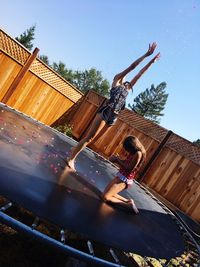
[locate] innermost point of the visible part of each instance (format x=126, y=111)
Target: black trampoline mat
x=33, y=174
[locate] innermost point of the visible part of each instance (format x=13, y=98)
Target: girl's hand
x=151, y=49
x=157, y=57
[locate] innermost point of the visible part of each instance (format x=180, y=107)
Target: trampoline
x=33, y=175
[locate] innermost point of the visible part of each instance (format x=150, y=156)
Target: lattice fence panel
x=56, y=81
x=147, y=127
x=175, y=142
x=184, y=147
x=13, y=48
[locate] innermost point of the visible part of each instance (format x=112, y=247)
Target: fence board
x=191, y=192
x=40, y=93
x=82, y=119
x=8, y=71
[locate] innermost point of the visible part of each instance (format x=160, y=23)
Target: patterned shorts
x=124, y=179
x=108, y=115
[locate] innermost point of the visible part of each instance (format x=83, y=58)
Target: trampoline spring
x=191, y=257
x=183, y=264
x=192, y=249
x=90, y=247
x=35, y=222
x=62, y=234
x=194, y=254
x=114, y=256
x=188, y=239
x=7, y=206
x=166, y=264
x=147, y=262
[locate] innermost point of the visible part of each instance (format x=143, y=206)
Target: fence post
x=154, y=156
x=20, y=75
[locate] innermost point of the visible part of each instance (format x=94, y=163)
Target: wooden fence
x=173, y=163
x=30, y=86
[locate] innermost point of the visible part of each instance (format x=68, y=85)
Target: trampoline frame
x=90, y=257
x=55, y=244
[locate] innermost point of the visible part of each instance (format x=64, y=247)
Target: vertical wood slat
x=20, y=75
x=156, y=153
x=86, y=113
x=8, y=71
x=31, y=86
x=33, y=96
x=92, y=118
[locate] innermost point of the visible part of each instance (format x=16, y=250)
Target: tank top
x=117, y=99
x=129, y=174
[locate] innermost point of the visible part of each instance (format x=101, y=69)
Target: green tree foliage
x=65, y=128
x=27, y=37
x=63, y=71
x=151, y=102
x=197, y=142
x=83, y=80
x=91, y=80
x=45, y=59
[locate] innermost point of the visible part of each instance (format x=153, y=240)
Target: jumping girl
x=107, y=115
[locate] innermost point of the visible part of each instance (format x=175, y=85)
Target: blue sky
x=109, y=34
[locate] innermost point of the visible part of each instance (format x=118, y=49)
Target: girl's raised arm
x=118, y=79
x=143, y=70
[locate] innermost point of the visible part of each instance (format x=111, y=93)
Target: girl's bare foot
x=133, y=206
x=70, y=164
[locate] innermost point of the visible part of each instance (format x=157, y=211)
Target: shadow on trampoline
x=76, y=206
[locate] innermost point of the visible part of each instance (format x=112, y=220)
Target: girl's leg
x=111, y=195
x=97, y=125
x=130, y=201
x=135, y=209
x=100, y=133
x=121, y=198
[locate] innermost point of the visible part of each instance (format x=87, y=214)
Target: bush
x=65, y=128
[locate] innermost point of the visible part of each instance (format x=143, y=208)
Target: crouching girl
x=128, y=169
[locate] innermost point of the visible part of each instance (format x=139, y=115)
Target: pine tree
x=91, y=79
x=27, y=37
x=197, y=142
x=45, y=59
x=151, y=102
x=84, y=80
x=63, y=71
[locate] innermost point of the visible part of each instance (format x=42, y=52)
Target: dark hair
x=129, y=144
x=126, y=82
x=132, y=144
